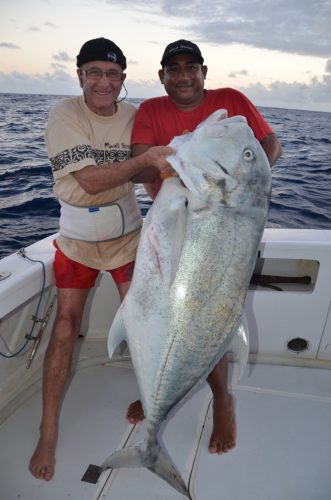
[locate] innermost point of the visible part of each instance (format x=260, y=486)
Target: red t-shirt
x=158, y=120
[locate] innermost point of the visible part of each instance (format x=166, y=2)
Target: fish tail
x=153, y=458
x=163, y=468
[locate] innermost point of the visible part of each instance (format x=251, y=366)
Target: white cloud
x=51, y=25
x=9, y=45
x=144, y=89
x=47, y=83
x=242, y=72
x=313, y=96
x=292, y=26
x=62, y=56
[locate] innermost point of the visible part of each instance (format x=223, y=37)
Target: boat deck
x=283, y=451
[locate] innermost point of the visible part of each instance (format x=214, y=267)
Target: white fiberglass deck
x=283, y=451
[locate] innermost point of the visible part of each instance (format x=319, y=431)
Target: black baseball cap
x=181, y=47
x=101, y=49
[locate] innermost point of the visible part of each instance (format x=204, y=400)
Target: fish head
x=221, y=161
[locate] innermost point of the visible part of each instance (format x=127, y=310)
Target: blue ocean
x=29, y=211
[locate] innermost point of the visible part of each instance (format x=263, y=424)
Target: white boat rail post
x=38, y=337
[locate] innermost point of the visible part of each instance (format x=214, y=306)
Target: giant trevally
x=195, y=258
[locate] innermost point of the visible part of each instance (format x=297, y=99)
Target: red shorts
x=71, y=274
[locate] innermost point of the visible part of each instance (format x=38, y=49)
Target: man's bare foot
x=223, y=437
x=135, y=412
x=42, y=462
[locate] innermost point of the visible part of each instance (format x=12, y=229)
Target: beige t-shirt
x=75, y=138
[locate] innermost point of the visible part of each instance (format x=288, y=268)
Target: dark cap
x=181, y=47
x=101, y=49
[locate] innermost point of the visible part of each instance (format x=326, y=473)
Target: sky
x=278, y=52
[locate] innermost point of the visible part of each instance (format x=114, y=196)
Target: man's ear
x=80, y=78
x=204, y=71
x=123, y=76
x=161, y=75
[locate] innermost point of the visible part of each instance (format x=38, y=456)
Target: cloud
x=62, y=56
x=313, y=96
x=46, y=83
x=51, y=25
x=242, y=72
x=144, y=89
x=328, y=66
x=34, y=28
x=297, y=26
x=292, y=26
x=139, y=6
x=9, y=45
x=58, y=67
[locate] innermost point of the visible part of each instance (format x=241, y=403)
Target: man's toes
x=212, y=447
x=48, y=473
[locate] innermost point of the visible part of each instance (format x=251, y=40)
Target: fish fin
x=167, y=228
x=163, y=468
x=153, y=459
x=117, y=333
x=240, y=345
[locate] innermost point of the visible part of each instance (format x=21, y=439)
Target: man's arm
x=272, y=148
x=97, y=179
x=149, y=174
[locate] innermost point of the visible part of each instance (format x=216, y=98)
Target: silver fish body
x=195, y=259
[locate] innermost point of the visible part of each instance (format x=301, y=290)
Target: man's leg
x=135, y=411
x=57, y=366
x=123, y=288
x=223, y=436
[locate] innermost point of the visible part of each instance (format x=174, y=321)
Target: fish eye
x=248, y=154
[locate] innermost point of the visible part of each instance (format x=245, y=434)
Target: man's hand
x=156, y=157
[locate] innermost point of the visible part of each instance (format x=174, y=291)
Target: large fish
x=195, y=259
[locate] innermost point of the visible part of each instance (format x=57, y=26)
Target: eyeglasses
x=176, y=70
x=97, y=74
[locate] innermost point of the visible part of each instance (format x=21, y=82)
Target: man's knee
x=66, y=329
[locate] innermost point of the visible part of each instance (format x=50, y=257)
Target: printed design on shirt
x=111, y=154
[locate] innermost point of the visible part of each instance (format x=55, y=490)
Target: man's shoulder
x=67, y=102
x=127, y=108
x=154, y=102
x=66, y=105
x=224, y=92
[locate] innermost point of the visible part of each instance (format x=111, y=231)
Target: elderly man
x=88, y=143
